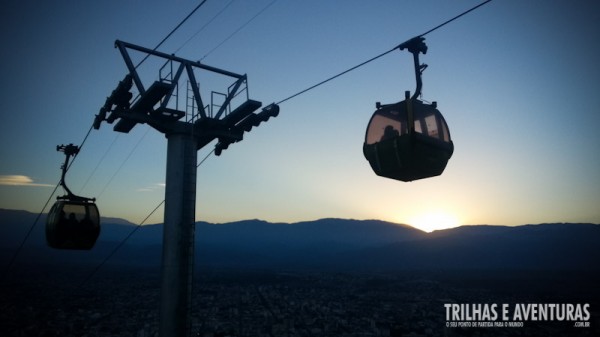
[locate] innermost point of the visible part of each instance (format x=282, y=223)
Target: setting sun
x=434, y=220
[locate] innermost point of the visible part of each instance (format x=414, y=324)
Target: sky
x=517, y=82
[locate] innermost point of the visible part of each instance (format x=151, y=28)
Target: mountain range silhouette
x=326, y=244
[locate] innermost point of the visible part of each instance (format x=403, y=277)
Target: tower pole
x=184, y=138
x=178, y=235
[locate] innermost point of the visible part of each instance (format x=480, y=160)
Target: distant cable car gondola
x=73, y=221
x=408, y=140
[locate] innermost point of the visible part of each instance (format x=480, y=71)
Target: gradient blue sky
x=517, y=82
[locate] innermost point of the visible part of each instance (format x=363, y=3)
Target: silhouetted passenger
x=72, y=223
x=87, y=223
x=73, y=218
x=389, y=132
x=89, y=231
x=62, y=227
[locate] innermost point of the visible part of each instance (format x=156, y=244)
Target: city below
x=125, y=302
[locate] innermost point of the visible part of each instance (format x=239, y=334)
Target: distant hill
x=332, y=244
x=560, y=246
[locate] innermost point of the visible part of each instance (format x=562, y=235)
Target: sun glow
x=435, y=220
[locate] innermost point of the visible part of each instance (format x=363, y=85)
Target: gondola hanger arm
x=69, y=151
x=415, y=46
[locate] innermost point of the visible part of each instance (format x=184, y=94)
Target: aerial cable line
x=239, y=29
x=371, y=59
x=172, y=31
x=336, y=76
x=205, y=25
x=380, y=55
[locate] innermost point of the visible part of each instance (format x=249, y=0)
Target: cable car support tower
x=186, y=133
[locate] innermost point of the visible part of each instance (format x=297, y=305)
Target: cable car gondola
x=408, y=140
x=73, y=221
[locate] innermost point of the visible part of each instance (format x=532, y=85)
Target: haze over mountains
x=328, y=244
